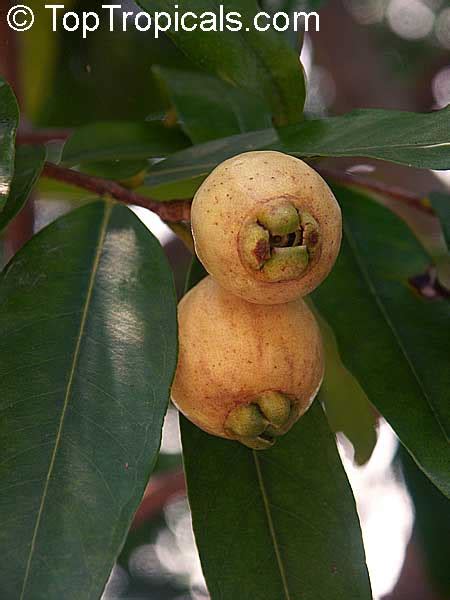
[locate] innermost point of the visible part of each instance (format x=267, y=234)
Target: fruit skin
x=232, y=195
x=232, y=351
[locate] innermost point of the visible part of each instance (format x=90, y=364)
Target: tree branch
x=379, y=187
x=175, y=211
x=160, y=491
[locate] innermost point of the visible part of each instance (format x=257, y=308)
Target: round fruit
x=245, y=371
x=267, y=227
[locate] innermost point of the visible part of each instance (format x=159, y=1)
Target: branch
x=159, y=491
x=413, y=200
x=175, y=211
x=42, y=136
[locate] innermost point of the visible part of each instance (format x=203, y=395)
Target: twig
x=42, y=136
x=160, y=490
x=378, y=187
x=175, y=211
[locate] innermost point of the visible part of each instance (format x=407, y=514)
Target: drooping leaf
x=122, y=141
x=87, y=355
x=279, y=523
x=274, y=524
x=210, y=108
x=346, y=404
x=393, y=341
x=9, y=120
x=29, y=161
x=421, y=140
x=261, y=62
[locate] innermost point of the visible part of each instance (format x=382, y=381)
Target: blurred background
x=369, y=53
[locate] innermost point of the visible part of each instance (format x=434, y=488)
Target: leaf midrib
x=95, y=265
x=271, y=526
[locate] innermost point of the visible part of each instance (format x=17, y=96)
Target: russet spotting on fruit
x=267, y=227
x=245, y=372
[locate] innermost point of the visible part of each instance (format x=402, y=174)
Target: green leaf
x=417, y=140
x=280, y=523
x=29, y=161
x=9, y=120
x=346, y=404
x=87, y=354
x=441, y=206
x=420, y=140
x=260, y=62
x=393, y=341
x=200, y=160
x=274, y=524
x=121, y=141
x=211, y=108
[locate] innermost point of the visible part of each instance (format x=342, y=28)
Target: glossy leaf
x=29, y=161
x=210, y=108
x=201, y=159
x=421, y=140
x=393, y=341
x=87, y=355
x=9, y=119
x=417, y=140
x=256, y=61
x=274, y=524
x=279, y=523
x=122, y=141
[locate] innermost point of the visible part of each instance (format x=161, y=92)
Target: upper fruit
x=267, y=227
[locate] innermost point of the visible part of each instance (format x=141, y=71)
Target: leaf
x=87, y=354
x=211, y=108
x=121, y=141
x=9, y=120
x=275, y=524
x=393, y=341
x=279, y=523
x=417, y=140
x=200, y=160
x=441, y=206
x=347, y=406
x=29, y=161
x=421, y=140
x=256, y=61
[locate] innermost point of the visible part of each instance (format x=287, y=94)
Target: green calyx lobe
x=281, y=242
x=257, y=424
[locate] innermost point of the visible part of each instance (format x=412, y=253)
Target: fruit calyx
x=280, y=241
x=258, y=423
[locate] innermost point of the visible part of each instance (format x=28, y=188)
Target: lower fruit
x=246, y=371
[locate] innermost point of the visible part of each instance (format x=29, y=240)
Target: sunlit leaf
x=9, y=119
x=29, y=161
x=87, y=355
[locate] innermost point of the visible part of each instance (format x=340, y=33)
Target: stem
x=378, y=187
x=159, y=491
x=43, y=136
x=173, y=212
x=179, y=210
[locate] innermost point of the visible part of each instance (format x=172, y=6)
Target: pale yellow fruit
x=267, y=227
x=245, y=371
